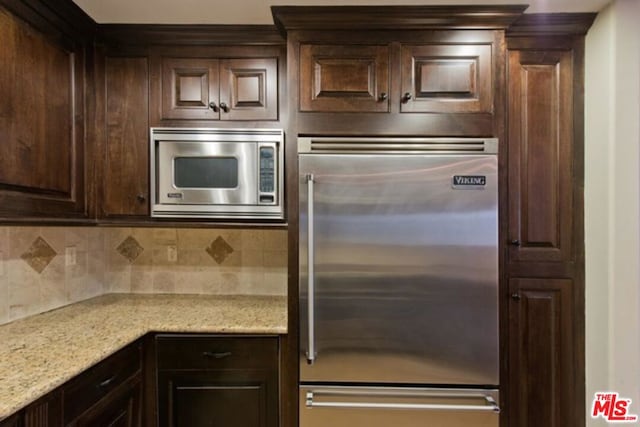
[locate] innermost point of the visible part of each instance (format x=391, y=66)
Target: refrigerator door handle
x=311, y=349
x=490, y=405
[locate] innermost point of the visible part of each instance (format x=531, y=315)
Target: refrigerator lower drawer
x=399, y=407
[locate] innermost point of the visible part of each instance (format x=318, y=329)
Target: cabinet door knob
x=515, y=242
x=406, y=97
x=224, y=107
x=213, y=106
x=515, y=296
x=383, y=96
x=141, y=198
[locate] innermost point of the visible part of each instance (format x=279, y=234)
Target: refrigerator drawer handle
x=491, y=406
x=311, y=349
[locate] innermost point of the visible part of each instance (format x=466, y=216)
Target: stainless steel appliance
x=217, y=173
x=398, y=282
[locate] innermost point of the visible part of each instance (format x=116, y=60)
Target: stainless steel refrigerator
x=398, y=282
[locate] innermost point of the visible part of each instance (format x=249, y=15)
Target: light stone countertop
x=39, y=353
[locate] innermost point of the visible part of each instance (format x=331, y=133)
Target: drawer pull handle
x=215, y=355
x=106, y=382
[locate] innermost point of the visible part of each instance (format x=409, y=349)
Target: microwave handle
x=311, y=349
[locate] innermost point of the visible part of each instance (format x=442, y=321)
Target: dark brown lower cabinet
x=13, y=421
x=217, y=398
x=121, y=408
x=541, y=353
x=211, y=381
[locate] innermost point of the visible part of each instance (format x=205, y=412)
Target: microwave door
x=208, y=173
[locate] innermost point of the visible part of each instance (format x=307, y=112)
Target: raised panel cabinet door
x=541, y=354
x=41, y=123
x=242, y=398
x=122, y=408
x=540, y=141
x=249, y=89
x=126, y=171
x=190, y=89
x=338, y=78
x=447, y=79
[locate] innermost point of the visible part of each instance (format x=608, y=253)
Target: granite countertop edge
x=42, y=352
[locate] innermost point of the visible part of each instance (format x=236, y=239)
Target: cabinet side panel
x=126, y=181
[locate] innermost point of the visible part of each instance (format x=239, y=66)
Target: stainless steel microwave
x=217, y=173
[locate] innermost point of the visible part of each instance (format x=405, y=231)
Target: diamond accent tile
x=219, y=250
x=130, y=248
x=39, y=255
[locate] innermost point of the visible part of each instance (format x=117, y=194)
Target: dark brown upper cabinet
x=541, y=151
x=392, y=70
x=42, y=87
x=157, y=76
x=447, y=79
x=220, y=89
x=344, y=78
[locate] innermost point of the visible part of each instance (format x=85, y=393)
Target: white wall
x=612, y=203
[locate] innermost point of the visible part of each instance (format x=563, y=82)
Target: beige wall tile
x=23, y=289
x=232, y=236
x=141, y=279
x=191, y=282
x=118, y=281
x=165, y=236
x=20, y=239
x=275, y=259
x=96, y=268
x=222, y=283
x=196, y=258
x=192, y=238
x=4, y=299
x=275, y=240
x=273, y=283
x=251, y=259
x=79, y=289
x=78, y=237
x=164, y=281
x=255, y=262
x=4, y=240
x=252, y=240
x=56, y=237
x=95, y=239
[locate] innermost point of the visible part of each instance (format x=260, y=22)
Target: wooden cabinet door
x=122, y=408
x=247, y=398
x=125, y=178
x=190, y=89
x=249, y=89
x=541, y=353
x=335, y=78
x=42, y=138
x=16, y=420
x=540, y=139
x=447, y=79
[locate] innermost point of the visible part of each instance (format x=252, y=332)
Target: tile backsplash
x=42, y=268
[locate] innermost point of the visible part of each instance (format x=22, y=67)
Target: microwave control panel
x=267, y=191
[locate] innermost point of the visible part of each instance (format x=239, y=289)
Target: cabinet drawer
x=95, y=383
x=216, y=352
